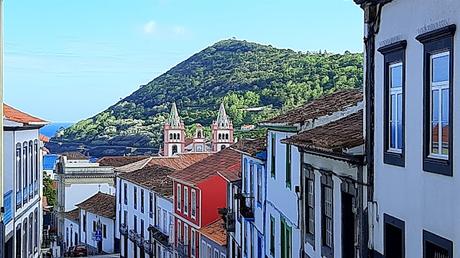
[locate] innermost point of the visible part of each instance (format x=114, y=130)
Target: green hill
x=243, y=74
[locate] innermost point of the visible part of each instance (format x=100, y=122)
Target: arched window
x=198, y=135
x=222, y=147
x=226, y=136
x=178, y=136
x=220, y=136
x=32, y=169
x=174, y=149
x=18, y=175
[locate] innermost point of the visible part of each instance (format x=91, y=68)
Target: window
x=393, y=237
x=125, y=193
x=94, y=226
x=135, y=223
x=273, y=152
x=142, y=228
x=179, y=198
x=326, y=215
x=135, y=197
x=309, y=204
x=25, y=173
x=185, y=200
x=30, y=233
x=84, y=222
x=37, y=166
x=259, y=184
x=158, y=221
x=436, y=247
x=272, y=236
x=193, y=243
x=251, y=179
x=179, y=231
x=288, y=166
x=186, y=243
x=394, y=102
x=104, y=231
x=36, y=233
x=142, y=200
x=216, y=253
x=245, y=239
x=286, y=240
x=165, y=221
x=31, y=170
x=193, y=208
x=245, y=175
x=18, y=176
x=151, y=205
x=438, y=96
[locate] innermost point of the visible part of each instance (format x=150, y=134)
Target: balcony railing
x=246, y=205
x=159, y=236
x=148, y=247
x=139, y=241
x=228, y=216
x=123, y=229
x=132, y=235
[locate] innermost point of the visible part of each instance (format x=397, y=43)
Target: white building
x=144, y=212
x=245, y=218
x=283, y=199
x=77, y=180
x=413, y=154
x=22, y=183
x=97, y=224
x=71, y=228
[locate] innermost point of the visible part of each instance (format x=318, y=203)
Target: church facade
x=176, y=142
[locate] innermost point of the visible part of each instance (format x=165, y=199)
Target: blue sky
x=68, y=60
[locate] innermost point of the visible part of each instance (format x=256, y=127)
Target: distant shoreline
x=51, y=129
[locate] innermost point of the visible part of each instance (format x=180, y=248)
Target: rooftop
x=74, y=155
x=332, y=138
x=101, y=204
x=18, y=116
x=176, y=162
x=250, y=146
x=323, y=106
x=73, y=215
x=118, y=161
x=153, y=177
x=227, y=161
x=216, y=232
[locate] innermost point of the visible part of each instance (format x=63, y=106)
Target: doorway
x=348, y=226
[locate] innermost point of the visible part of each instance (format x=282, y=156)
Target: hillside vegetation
x=254, y=81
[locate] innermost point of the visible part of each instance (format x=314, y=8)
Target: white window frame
x=179, y=230
x=438, y=86
x=192, y=242
x=394, y=92
x=186, y=243
x=193, y=203
x=186, y=200
x=259, y=184
x=179, y=197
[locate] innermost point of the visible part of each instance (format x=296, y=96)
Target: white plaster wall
x=71, y=227
x=165, y=205
x=9, y=158
x=77, y=193
x=423, y=200
x=108, y=243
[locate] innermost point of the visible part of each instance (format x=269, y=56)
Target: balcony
x=123, y=229
x=139, y=241
x=148, y=247
x=228, y=216
x=159, y=236
x=132, y=235
x=246, y=202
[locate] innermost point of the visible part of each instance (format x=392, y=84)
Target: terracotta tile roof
x=176, y=162
x=44, y=138
x=216, y=232
x=74, y=155
x=250, y=146
x=325, y=105
x=333, y=137
x=225, y=161
x=18, y=116
x=188, y=141
x=73, y=215
x=153, y=177
x=101, y=204
x=118, y=161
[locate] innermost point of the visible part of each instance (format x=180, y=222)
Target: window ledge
x=437, y=166
x=393, y=158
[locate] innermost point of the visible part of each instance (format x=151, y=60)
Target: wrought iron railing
x=123, y=229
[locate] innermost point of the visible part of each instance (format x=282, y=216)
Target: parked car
x=78, y=251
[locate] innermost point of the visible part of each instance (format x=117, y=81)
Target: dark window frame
x=434, y=42
x=272, y=236
x=273, y=154
x=393, y=53
x=309, y=176
x=395, y=222
x=288, y=178
x=438, y=241
x=326, y=182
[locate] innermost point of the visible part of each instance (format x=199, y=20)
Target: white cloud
x=178, y=30
x=150, y=27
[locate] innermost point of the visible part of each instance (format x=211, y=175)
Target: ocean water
x=51, y=129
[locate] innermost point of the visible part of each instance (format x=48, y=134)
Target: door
x=348, y=226
x=18, y=242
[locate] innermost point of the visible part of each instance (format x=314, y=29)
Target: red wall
x=213, y=196
x=188, y=217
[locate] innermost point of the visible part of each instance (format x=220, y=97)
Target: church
x=176, y=142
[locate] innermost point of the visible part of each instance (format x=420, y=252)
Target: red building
x=199, y=191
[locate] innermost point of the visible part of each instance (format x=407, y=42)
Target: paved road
x=105, y=256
